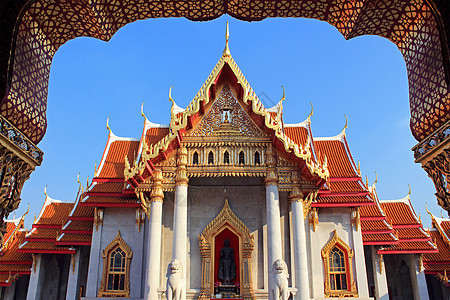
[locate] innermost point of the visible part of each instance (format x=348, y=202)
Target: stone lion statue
x=174, y=287
x=280, y=277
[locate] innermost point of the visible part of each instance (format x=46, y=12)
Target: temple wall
x=124, y=219
x=331, y=219
x=206, y=199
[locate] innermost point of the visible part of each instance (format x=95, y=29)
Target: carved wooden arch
x=226, y=219
x=348, y=252
x=115, y=243
x=42, y=26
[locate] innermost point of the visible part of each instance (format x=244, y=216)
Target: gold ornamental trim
x=226, y=219
x=348, y=252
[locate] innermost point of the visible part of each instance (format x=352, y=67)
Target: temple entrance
x=226, y=246
x=227, y=263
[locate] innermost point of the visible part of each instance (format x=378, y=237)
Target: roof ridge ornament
x=346, y=125
x=226, y=51
x=409, y=191
x=142, y=112
x=107, y=126
x=311, y=113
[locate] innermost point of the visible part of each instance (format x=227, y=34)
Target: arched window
x=210, y=158
x=337, y=258
x=116, y=269
x=241, y=158
x=195, y=158
x=257, y=158
x=226, y=158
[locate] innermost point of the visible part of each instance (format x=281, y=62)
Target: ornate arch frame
x=348, y=252
x=116, y=242
x=226, y=219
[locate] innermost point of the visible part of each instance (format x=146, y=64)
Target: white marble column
x=179, y=250
x=274, y=250
x=95, y=259
x=418, y=280
x=379, y=275
x=73, y=280
x=154, y=238
x=299, y=240
x=37, y=275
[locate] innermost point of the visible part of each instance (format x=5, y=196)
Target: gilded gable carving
x=225, y=118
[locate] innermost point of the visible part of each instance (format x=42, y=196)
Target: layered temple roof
x=391, y=225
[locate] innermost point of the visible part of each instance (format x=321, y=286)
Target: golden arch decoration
x=117, y=242
x=415, y=26
x=351, y=290
x=226, y=219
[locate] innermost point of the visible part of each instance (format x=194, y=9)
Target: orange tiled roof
x=346, y=186
x=55, y=213
x=411, y=233
x=43, y=233
x=443, y=256
x=78, y=225
x=122, y=200
x=10, y=254
x=155, y=134
x=371, y=211
x=82, y=212
x=74, y=238
x=346, y=199
x=381, y=238
x=340, y=162
x=403, y=208
x=44, y=247
x=375, y=225
x=107, y=187
x=113, y=164
x=297, y=134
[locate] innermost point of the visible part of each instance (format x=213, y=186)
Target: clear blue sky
x=364, y=78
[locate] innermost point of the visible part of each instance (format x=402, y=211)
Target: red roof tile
x=155, y=134
x=340, y=163
x=113, y=165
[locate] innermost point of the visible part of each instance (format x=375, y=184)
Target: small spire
x=311, y=113
x=346, y=124
x=142, y=112
x=226, y=51
x=409, y=192
x=359, y=168
x=376, y=179
x=107, y=125
x=45, y=191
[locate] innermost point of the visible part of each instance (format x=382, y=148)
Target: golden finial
x=426, y=208
x=420, y=218
x=95, y=168
x=107, y=125
x=28, y=210
x=367, y=181
x=409, y=192
x=78, y=178
x=284, y=94
x=346, y=124
x=226, y=51
x=359, y=168
x=142, y=111
x=376, y=178
x=311, y=113
x=45, y=191
x=87, y=182
x=34, y=219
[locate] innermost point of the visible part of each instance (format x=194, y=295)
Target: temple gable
x=226, y=118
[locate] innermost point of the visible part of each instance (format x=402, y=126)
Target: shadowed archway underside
x=415, y=26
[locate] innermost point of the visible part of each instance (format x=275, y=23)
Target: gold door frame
x=226, y=219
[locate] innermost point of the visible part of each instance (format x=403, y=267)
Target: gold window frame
x=351, y=290
x=117, y=242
